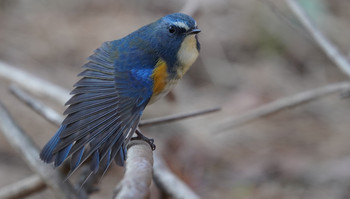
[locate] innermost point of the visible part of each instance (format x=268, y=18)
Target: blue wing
x=103, y=113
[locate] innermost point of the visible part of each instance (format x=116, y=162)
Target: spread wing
x=102, y=115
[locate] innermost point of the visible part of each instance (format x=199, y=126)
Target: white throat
x=187, y=54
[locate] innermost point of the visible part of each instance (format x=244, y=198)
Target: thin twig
x=47, y=112
x=23, y=188
x=284, y=103
x=169, y=183
x=285, y=18
x=138, y=172
x=55, y=118
x=176, y=117
x=330, y=49
x=33, y=83
x=23, y=144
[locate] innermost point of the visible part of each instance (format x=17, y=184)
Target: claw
x=140, y=136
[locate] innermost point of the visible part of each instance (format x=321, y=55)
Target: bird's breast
x=162, y=81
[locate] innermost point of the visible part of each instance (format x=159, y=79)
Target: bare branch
x=33, y=83
x=22, y=143
x=330, y=49
x=169, y=183
x=285, y=103
x=48, y=113
x=138, y=172
x=23, y=188
x=176, y=117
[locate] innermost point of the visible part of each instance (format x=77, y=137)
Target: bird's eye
x=172, y=29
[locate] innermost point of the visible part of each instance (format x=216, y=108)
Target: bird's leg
x=140, y=136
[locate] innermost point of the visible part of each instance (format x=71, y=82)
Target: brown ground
x=251, y=55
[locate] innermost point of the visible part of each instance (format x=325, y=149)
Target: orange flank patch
x=159, y=76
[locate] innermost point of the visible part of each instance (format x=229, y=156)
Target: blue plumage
x=115, y=87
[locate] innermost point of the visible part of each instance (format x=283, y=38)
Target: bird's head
x=175, y=36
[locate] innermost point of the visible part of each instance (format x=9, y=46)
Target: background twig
x=48, y=113
x=284, y=103
x=284, y=17
x=22, y=143
x=55, y=118
x=33, y=83
x=331, y=50
x=169, y=183
x=23, y=188
x=176, y=117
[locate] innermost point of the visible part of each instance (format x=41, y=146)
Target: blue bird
x=120, y=79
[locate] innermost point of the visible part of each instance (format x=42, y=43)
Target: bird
x=118, y=81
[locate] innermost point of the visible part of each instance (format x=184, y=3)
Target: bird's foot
x=140, y=136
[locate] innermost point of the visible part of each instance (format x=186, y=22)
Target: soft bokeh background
x=252, y=53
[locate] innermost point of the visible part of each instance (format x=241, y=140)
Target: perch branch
x=169, y=183
x=138, y=172
x=33, y=83
x=23, y=188
x=331, y=50
x=176, y=117
x=22, y=143
x=285, y=103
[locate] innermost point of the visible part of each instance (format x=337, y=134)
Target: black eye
x=172, y=29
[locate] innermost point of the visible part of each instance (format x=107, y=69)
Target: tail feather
x=47, y=154
x=95, y=161
x=62, y=155
x=76, y=158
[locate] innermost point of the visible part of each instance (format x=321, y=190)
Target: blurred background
x=253, y=52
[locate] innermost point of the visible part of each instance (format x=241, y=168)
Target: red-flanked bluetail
x=119, y=80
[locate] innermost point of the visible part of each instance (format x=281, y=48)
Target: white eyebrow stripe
x=181, y=25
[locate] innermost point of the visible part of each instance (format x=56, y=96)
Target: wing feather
x=94, y=82
x=102, y=114
x=90, y=104
x=88, y=97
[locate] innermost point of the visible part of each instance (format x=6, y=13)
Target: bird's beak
x=193, y=31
